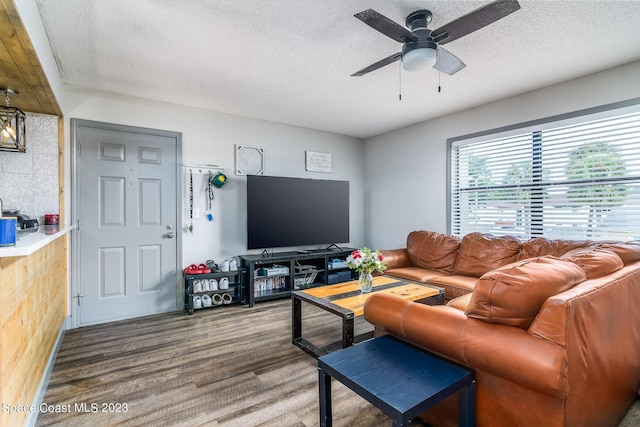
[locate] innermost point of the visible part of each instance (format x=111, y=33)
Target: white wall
x=210, y=138
x=405, y=170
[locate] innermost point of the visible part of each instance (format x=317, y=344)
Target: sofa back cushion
x=595, y=261
x=541, y=246
x=513, y=294
x=433, y=251
x=629, y=252
x=480, y=253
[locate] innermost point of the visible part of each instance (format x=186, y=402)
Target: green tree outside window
x=593, y=163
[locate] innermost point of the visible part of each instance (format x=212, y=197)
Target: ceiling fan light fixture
x=421, y=46
x=419, y=58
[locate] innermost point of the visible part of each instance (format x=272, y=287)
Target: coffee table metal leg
x=468, y=405
x=296, y=320
x=400, y=421
x=324, y=383
x=347, y=331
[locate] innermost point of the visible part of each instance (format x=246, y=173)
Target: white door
x=127, y=244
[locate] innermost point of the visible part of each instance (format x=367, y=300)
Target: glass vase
x=366, y=282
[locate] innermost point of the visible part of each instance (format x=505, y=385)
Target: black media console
x=276, y=275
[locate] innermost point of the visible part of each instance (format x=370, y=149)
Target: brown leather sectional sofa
x=551, y=327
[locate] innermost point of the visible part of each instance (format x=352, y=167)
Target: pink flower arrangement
x=366, y=261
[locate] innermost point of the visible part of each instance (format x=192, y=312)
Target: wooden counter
x=33, y=292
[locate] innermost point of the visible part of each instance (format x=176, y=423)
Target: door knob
x=170, y=233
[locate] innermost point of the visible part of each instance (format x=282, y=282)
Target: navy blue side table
x=400, y=380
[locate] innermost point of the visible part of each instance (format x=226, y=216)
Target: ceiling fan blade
x=386, y=61
x=447, y=62
x=386, y=26
x=475, y=20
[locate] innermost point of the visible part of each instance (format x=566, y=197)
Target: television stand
x=332, y=246
x=264, y=282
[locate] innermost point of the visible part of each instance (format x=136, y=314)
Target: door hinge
x=79, y=149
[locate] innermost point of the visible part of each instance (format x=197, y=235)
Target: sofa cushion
x=629, y=252
x=480, y=253
x=541, y=246
x=396, y=258
x=454, y=285
x=513, y=294
x=595, y=261
x=431, y=250
x=461, y=303
x=415, y=274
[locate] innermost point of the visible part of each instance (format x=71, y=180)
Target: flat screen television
x=296, y=212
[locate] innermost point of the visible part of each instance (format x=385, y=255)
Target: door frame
x=76, y=124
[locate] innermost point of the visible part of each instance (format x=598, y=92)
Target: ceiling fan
x=421, y=47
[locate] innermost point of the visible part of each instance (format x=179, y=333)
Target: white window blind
x=569, y=181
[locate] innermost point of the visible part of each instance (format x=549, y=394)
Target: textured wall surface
x=29, y=181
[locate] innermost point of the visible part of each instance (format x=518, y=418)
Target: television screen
x=296, y=212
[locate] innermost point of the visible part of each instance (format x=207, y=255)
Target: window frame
x=534, y=126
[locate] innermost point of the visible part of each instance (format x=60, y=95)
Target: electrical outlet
x=196, y=213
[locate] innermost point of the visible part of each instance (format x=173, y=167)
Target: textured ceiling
x=290, y=61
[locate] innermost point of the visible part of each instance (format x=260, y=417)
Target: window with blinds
x=577, y=179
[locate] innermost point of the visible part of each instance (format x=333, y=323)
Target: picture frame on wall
x=249, y=160
x=316, y=161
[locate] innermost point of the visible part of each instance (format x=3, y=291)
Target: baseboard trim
x=46, y=375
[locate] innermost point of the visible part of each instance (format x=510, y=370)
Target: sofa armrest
x=506, y=351
x=396, y=258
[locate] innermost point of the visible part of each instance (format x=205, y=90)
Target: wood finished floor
x=226, y=366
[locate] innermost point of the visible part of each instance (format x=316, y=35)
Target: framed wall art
x=317, y=162
x=249, y=160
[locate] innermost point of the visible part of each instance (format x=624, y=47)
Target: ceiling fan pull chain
x=439, y=87
x=400, y=81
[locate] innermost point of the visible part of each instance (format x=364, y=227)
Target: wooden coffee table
x=347, y=301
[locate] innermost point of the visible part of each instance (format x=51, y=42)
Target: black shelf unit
x=235, y=291
x=275, y=275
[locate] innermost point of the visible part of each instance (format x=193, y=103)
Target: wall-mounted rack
x=203, y=168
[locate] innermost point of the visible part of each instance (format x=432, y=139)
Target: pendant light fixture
x=12, y=130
